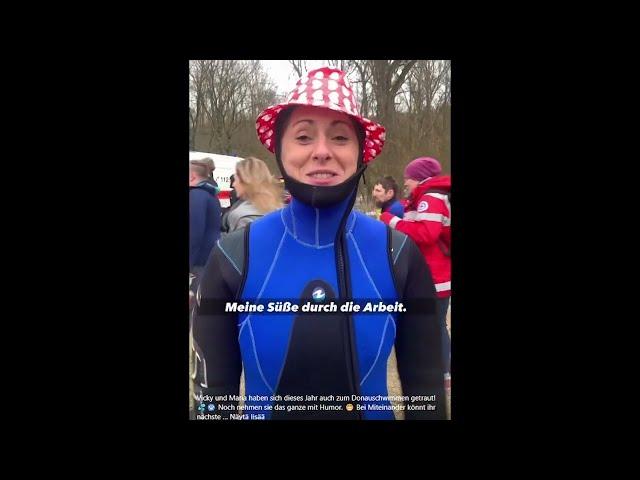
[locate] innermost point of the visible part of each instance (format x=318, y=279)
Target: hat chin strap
x=322, y=196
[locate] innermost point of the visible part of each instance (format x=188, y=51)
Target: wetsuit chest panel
x=294, y=354
x=279, y=269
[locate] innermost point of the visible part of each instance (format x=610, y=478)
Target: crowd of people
x=317, y=248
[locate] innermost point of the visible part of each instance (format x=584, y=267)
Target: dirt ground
x=393, y=379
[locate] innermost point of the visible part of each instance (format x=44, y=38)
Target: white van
x=225, y=167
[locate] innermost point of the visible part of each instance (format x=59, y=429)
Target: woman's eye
x=303, y=138
x=341, y=138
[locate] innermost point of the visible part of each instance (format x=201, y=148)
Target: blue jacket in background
x=204, y=222
x=394, y=207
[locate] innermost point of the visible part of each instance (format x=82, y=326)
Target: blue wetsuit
x=291, y=254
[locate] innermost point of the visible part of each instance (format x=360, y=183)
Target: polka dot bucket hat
x=323, y=87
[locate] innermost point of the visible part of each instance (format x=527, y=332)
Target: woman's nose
x=321, y=152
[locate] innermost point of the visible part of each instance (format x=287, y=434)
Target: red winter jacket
x=427, y=220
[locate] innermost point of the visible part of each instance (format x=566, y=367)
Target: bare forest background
x=411, y=98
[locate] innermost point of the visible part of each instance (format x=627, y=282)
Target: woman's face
x=319, y=146
x=238, y=186
x=410, y=185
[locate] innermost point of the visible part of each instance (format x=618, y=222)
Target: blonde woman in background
x=258, y=190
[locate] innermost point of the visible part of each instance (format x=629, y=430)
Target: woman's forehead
x=315, y=114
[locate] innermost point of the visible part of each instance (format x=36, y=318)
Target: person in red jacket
x=427, y=220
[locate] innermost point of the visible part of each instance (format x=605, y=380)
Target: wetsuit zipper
x=344, y=292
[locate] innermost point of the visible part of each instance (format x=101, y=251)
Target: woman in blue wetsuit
x=317, y=249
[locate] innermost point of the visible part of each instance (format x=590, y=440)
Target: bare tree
x=196, y=99
x=226, y=89
x=300, y=66
x=362, y=86
x=387, y=78
x=262, y=90
x=232, y=94
x=427, y=104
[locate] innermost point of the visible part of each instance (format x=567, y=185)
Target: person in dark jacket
x=385, y=194
x=209, y=167
x=204, y=216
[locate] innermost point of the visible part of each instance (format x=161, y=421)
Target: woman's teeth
x=322, y=175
